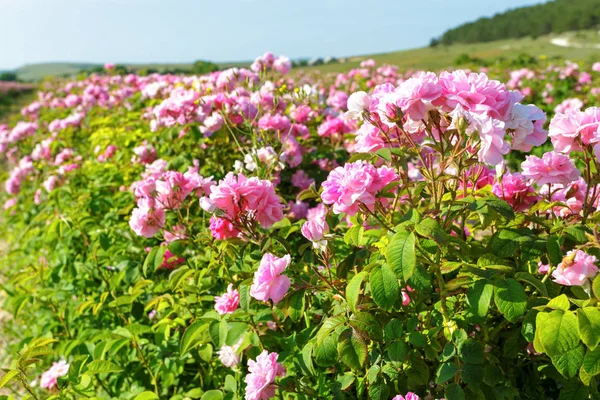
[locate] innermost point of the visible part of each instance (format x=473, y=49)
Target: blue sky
x=223, y=30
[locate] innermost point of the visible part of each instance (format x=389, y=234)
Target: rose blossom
x=553, y=167
x=49, y=378
x=354, y=183
x=409, y=396
x=575, y=269
x=228, y=302
x=269, y=283
x=262, y=374
x=228, y=355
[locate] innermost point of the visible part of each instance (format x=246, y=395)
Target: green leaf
x=177, y=247
x=244, y=291
x=352, y=349
x=574, y=390
x=454, y=392
x=384, y=153
x=591, y=362
x=379, y=390
x=159, y=257
x=354, y=235
x=346, y=380
x=235, y=331
x=577, y=233
x=329, y=325
x=307, y=359
x=557, y=332
x=102, y=367
x=353, y=289
x=596, y=287
x=398, y=350
x=212, y=395
x=445, y=372
x=367, y=325
x=505, y=243
x=8, y=376
x=588, y=319
x=431, y=229
x=559, y=303
x=325, y=352
x=479, y=297
x=500, y=206
x=568, y=363
x=471, y=351
x=533, y=281
x=230, y=384
x=147, y=395
x=384, y=286
x=191, y=336
x=295, y=305
x=401, y=255
x=472, y=374
x=218, y=332
x=393, y=329
x=554, y=251
x=149, y=261
x=510, y=299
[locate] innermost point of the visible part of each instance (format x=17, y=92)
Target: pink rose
x=49, y=378
x=261, y=375
x=227, y=302
x=575, y=269
x=552, y=168
x=269, y=283
x=355, y=183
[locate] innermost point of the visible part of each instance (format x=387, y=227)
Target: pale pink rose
x=228, y=302
x=354, y=184
x=314, y=230
x=576, y=269
x=543, y=268
x=551, y=168
x=269, y=283
x=49, y=378
x=282, y=64
x=228, y=355
x=261, y=376
x=146, y=220
x=358, y=103
x=10, y=203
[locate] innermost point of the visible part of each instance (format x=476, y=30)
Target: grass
x=444, y=56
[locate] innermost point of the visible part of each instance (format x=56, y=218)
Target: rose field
x=262, y=232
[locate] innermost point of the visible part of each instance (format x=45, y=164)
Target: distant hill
x=36, y=72
x=552, y=17
x=575, y=46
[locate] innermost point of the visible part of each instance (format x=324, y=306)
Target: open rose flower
x=576, y=269
x=261, y=376
x=269, y=283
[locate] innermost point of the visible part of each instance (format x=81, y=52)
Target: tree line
x=552, y=17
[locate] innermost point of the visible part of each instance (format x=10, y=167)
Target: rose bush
x=244, y=234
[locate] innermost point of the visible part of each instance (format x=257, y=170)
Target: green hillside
x=581, y=45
